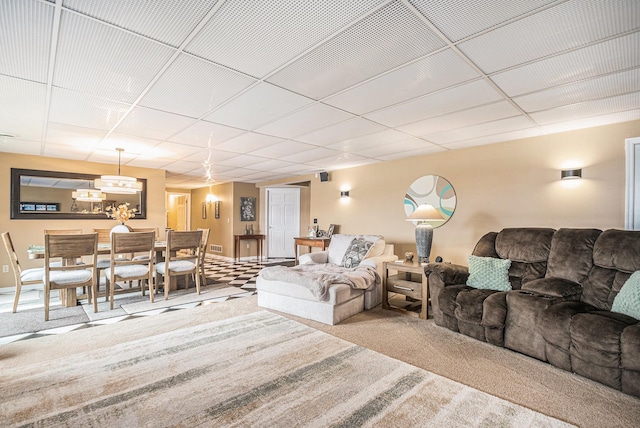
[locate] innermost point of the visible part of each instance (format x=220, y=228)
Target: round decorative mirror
x=435, y=191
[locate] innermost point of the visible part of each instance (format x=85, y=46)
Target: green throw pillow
x=356, y=252
x=628, y=299
x=489, y=273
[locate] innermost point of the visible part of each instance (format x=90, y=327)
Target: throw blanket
x=318, y=277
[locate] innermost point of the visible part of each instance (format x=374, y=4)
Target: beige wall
x=26, y=232
x=500, y=185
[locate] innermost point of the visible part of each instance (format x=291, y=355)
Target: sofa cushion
x=571, y=255
x=340, y=242
x=356, y=252
x=469, y=304
x=627, y=301
x=528, y=245
x=489, y=273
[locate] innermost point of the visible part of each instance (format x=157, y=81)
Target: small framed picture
x=204, y=210
x=332, y=227
x=247, y=209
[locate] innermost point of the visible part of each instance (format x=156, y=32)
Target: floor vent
x=215, y=248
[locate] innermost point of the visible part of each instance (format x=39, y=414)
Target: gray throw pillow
x=356, y=252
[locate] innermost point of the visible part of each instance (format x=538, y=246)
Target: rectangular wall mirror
x=49, y=195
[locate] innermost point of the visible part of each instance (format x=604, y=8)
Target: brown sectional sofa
x=559, y=309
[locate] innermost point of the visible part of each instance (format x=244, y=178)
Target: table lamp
x=424, y=231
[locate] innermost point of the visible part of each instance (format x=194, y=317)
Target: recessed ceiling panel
x=463, y=118
x=602, y=58
x=585, y=90
x=22, y=107
x=258, y=105
x=481, y=130
x=146, y=122
x=103, y=61
x=305, y=120
x=388, y=38
x=446, y=101
x=193, y=87
x=163, y=20
x=248, y=142
x=427, y=75
x=341, y=131
x=588, y=109
x=84, y=110
x=25, y=31
x=257, y=37
x=568, y=25
x=206, y=134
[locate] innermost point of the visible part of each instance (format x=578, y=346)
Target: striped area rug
x=257, y=370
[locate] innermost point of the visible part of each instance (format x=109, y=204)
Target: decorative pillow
x=489, y=273
x=628, y=299
x=356, y=252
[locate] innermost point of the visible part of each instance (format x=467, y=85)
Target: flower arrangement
x=122, y=213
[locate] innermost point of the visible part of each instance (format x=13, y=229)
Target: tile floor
x=241, y=274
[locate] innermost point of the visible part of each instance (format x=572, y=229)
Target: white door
x=283, y=220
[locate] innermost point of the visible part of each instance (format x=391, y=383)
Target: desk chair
x=21, y=277
x=182, y=258
x=122, y=269
x=69, y=248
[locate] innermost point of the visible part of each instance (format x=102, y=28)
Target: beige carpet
x=258, y=369
x=501, y=373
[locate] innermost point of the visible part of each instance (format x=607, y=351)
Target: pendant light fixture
x=120, y=184
x=88, y=195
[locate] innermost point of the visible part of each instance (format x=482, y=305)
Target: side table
x=411, y=282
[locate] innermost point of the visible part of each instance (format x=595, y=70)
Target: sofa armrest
x=320, y=257
x=555, y=287
x=449, y=274
x=377, y=262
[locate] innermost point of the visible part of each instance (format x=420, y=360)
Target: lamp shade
x=425, y=212
x=119, y=184
x=88, y=195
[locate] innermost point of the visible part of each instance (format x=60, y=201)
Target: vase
x=121, y=228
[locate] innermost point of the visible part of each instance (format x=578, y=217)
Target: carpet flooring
x=258, y=370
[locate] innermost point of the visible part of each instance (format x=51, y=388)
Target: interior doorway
x=632, y=200
x=283, y=220
x=178, y=210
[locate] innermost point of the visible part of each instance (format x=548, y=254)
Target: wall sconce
x=571, y=174
x=211, y=198
x=344, y=193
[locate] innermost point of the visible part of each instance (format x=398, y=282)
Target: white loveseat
x=342, y=300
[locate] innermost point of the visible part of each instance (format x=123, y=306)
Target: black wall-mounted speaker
x=324, y=176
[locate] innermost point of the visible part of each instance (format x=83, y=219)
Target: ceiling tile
x=25, y=31
x=305, y=120
x=458, y=19
x=310, y=155
x=103, y=61
x=241, y=161
x=133, y=146
x=341, y=161
x=579, y=22
x=284, y=148
x=588, y=122
x=463, y=118
x=388, y=38
x=209, y=155
x=481, y=130
x=78, y=137
x=446, y=101
x=587, y=109
x=592, y=61
x=430, y=74
x=407, y=144
x=146, y=122
x=248, y=142
x=341, y=131
x=261, y=104
x=88, y=111
x=206, y=134
x=22, y=108
x=193, y=87
x=20, y=146
x=256, y=37
x=365, y=143
x=163, y=22
x=410, y=153
x=505, y=136
x=585, y=90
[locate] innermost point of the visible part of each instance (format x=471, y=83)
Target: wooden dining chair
x=69, y=248
x=62, y=231
x=123, y=269
x=182, y=258
x=21, y=277
x=203, y=254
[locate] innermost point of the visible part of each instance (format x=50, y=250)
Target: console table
x=238, y=238
x=310, y=242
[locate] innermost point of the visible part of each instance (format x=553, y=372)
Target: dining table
x=68, y=296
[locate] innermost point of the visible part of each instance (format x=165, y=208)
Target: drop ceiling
x=241, y=90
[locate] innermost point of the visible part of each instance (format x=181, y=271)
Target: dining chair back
x=69, y=274
x=62, y=231
x=21, y=277
x=182, y=258
x=104, y=235
x=122, y=269
x=203, y=254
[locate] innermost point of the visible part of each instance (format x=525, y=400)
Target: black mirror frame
x=16, y=173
